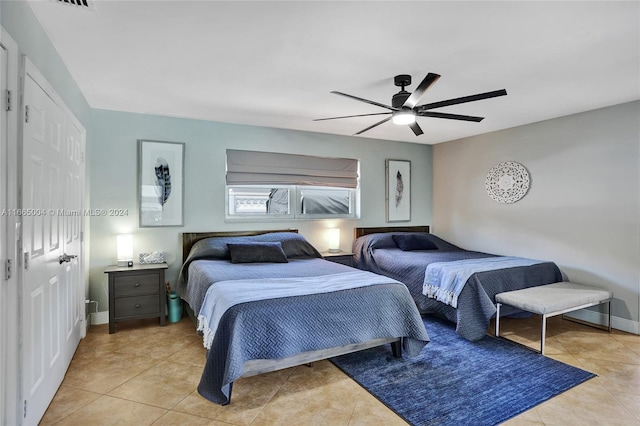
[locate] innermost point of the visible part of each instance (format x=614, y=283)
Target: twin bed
x=408, y=253
x=267, y=300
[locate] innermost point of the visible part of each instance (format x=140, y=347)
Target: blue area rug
x=457, y=382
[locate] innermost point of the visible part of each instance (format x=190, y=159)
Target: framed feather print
x=398, y=193
x=160, y=183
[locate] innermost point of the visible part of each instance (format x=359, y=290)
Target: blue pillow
x=409, y=242
x=252, y=252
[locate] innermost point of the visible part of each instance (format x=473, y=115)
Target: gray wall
x=113, y=175
x=582, y=209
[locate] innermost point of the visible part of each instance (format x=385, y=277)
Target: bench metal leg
x=543, y=333
x=498, y=319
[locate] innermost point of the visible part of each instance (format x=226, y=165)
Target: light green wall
x=582, y=210
x=113, y=175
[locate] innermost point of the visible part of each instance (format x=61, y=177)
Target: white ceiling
x=273, y=64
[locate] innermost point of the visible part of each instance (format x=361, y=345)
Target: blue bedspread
x=476, y=304
x=225, y=294
x=444, y=281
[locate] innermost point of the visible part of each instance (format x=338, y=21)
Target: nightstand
x=340, y=257
x=136, y=292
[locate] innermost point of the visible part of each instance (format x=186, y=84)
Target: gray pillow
x=251, y=252
x=409, y=242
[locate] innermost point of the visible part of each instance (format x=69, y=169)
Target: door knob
x=66, y=257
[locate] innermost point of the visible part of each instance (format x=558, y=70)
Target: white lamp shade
x=124, y=249
x=333, y=240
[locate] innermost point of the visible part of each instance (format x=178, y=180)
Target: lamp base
x=334, y=250
x=126, y=262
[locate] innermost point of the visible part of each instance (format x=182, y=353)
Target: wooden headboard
x=359, y=232
x=190, y=238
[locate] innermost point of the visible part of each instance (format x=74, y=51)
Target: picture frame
x=160, y=183
x=398, y=190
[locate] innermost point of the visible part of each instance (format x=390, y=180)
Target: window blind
x=272, y=168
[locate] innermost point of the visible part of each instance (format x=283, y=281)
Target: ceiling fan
x=404, y=106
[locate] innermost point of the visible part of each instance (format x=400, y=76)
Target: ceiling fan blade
x=371, y=127
x=416, y=128
x=366, y=101
x=449, y=116
x=422, y=88
x=462, y=100
x=351, y=116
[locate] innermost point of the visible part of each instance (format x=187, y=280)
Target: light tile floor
x=146, y=374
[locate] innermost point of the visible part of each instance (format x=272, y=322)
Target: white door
x=50, y=288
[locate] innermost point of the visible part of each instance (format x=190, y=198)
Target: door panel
x=54, y=309
x=36, y=305
x=54, y=202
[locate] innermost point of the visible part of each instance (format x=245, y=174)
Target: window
x=247, y=201
x=273, y=185
x=326, y=201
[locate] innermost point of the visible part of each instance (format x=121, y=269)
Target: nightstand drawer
x=139, y=305
x=133, y=285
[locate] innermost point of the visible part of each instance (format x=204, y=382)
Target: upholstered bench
x=551, y=300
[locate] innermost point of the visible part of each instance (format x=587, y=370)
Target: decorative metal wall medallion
x=507, y=182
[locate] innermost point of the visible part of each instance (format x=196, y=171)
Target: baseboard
x=87, y=324
x=600, y=318
x=100, y=318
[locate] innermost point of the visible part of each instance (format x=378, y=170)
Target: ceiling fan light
x=404, y=117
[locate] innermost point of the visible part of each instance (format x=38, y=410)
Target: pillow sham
x=409, y=242
x=252, y=252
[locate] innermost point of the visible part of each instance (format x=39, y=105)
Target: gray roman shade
x=272, y=168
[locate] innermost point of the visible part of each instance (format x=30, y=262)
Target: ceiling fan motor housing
x=402, y=81
x=398, y=99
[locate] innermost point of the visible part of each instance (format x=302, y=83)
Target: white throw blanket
x=224, y=294
x=444, y=281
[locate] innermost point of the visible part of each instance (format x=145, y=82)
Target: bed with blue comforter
x=273, y=296
x=446, y=280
